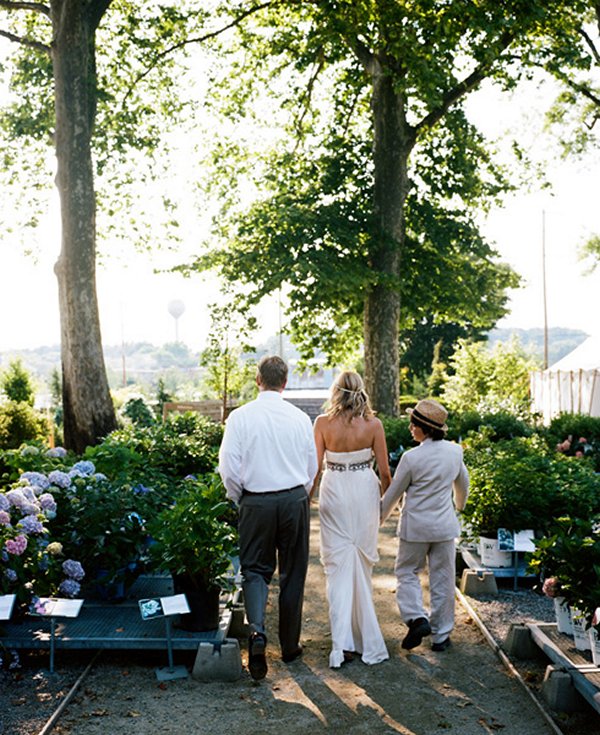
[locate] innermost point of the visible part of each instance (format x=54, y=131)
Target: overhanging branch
x=462, y=88
x=591, y=45
x=35, y=7
x=199, y=39
x=25, y=41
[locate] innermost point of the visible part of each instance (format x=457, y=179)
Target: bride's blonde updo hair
x=348, y=397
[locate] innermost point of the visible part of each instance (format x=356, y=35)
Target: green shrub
x=520, y=484
x=185, y=444
x=397, y=433
x=19, y=424
x=503, y=425
x=576, y=426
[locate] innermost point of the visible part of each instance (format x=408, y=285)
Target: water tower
x=176, y=309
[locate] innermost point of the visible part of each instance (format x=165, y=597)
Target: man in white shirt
x=268, y=462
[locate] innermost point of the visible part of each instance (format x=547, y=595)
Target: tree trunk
x=88, y=410
x=393, y=141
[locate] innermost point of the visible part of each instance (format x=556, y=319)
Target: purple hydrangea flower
x=73, y=569
x=4, y=518
x=84, y=468
x=16, y=545
x=69, y=588
x=28, y=492
x=10, y=575
x=30, y=524
x=16, y=498
x=59, y=452
x=47, y=503
x=141, y=489
x=28, y=508
x=60, y=479
x=35, y=478
x=4, y=502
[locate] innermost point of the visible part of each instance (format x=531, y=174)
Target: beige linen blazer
x=433, y=482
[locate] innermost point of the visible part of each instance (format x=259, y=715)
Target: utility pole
x=545, y=296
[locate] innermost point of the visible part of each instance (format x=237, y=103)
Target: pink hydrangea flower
x=16, y=545
x=551, y=587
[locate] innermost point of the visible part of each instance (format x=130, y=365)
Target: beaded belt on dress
x=353, y=466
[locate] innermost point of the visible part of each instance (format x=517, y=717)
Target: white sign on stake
x=159, y=607
x=6, y=606
x=57, y=607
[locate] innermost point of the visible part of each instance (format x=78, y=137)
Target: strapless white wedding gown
x=349, y=517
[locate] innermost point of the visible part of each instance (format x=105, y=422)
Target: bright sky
x=134, y=301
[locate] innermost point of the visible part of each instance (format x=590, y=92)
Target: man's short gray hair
x=272, y=372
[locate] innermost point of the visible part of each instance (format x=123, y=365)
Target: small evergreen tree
x=16, y=383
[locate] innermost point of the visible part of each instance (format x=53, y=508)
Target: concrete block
x=218, y=661
x=519, y=643
x=559, y=692
x=475, y=583
x=238, y=627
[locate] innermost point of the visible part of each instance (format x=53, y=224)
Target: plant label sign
x=57, y=607
x=159, y=607
x=6, y=606
x=515, y=540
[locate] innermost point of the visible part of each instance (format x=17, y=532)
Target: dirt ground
x=465, y=689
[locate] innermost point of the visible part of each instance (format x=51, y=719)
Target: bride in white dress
x=348, y=436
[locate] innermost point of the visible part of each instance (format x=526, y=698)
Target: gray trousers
x=274, y=529
x=410, y=561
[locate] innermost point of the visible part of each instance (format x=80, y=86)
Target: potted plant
x=568, y=560
x=195, y=540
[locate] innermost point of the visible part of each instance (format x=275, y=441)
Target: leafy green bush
x=503, y=425
x=185, y=444
x=576, y=426
x=19, y=424
x=397, y=433
x=520, y=484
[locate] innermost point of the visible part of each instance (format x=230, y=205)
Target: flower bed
x=67, y=529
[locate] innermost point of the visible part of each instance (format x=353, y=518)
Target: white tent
x=571, y=385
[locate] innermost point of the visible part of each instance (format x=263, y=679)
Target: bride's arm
x=320, y=445
x=381, y=456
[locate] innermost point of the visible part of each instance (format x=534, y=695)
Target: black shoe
x=287, y=658
x=442, y=645
x=257, y=662
x=417, y=630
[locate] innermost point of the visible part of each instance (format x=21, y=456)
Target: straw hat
x=431, y=413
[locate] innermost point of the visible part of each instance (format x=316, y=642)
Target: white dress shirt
x=268, y=445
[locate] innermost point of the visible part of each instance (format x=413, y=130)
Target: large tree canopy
x=364, y=212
